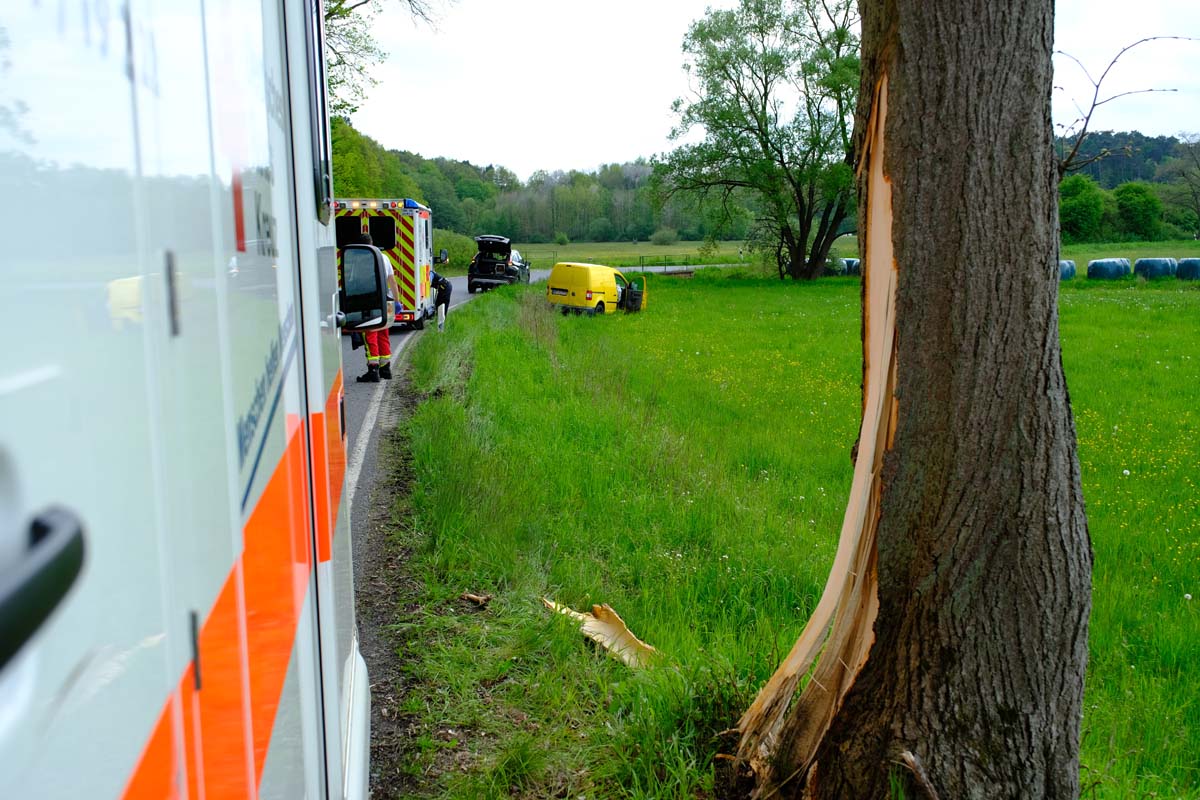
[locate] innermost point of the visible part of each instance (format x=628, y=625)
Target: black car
x=495, y=264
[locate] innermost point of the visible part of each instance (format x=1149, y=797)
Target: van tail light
x=589, y=294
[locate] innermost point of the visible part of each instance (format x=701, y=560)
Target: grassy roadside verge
x=689, y=466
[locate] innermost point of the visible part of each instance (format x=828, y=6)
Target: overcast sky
x=568, y=84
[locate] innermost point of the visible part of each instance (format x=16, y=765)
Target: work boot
x=372, y=375
x=385, y=372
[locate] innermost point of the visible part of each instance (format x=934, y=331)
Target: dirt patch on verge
x=384, y=589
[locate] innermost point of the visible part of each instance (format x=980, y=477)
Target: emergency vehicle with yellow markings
x=403, y=230
x=176, y=581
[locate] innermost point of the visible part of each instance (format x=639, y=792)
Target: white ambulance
x=176, y=597
x=403, y=230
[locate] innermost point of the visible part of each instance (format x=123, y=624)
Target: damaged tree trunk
x=952, y=633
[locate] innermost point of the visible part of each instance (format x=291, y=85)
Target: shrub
x=600, y=230
x=561, y=238
x=1139, y=210
x=664, y=236
x=461, y=248
x=1080, y=209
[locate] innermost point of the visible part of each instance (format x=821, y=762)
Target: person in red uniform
x=379, y=343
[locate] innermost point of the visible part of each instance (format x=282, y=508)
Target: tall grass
x=1083, y=253
x=689, y=466
x=632, y=254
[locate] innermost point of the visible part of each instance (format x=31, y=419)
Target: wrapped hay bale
x=1108, y=269
x=1066, y=269
x=1188, y=269
x=1155, y=267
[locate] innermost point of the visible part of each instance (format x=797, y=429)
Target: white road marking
x=359, y=451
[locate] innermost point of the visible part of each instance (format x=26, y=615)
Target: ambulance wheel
x=599, y=309
x=419, y=324
x=565, y=311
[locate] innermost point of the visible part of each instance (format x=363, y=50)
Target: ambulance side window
x=319, y=111
x=383, y=232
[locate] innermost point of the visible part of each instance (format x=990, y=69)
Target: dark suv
x=496, y=263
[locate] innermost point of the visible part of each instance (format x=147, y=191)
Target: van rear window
x=383, y=232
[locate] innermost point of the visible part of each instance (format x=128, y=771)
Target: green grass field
x=689, y=466
x=632, y=254
x=1082, y=253
x=627, y=254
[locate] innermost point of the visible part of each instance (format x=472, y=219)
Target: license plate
x=559, y=292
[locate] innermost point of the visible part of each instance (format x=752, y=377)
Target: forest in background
x=617, y=202
x=1128, y=187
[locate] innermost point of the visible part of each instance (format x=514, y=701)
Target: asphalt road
x=364, y=402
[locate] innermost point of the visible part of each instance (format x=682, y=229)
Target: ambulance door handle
x=34, y=586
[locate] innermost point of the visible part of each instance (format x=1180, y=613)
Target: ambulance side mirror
x=363, y=295
x=442, y=257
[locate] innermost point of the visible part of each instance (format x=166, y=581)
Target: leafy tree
x=1080, y=209
x=600, y=230
x=1183, y=172
x=356, y=172
x=395, y=181
x=439, y=195
x=1139, y=210
x=473, y=188
x=775, y=88
x=351, y=50
x=1113, y=157
x=460, y=248
x=957, y=611
x=618, y=201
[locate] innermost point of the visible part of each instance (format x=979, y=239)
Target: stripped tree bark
x=948, y=650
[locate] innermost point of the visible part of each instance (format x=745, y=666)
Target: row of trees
x=618, y=202
x=1111, y=158
x=1168, y=208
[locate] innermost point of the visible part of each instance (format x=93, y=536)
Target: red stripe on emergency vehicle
x=329, y=468
x=408, y=271
x=406, y=234
x=239, y=209
x=227, y=723
x=408, y=292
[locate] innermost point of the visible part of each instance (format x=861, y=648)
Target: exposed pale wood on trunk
x=967, y=478
x=780, y=723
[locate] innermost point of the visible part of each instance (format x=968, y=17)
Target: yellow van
x=592, y=289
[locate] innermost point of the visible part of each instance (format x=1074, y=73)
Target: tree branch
x=1067, y=164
